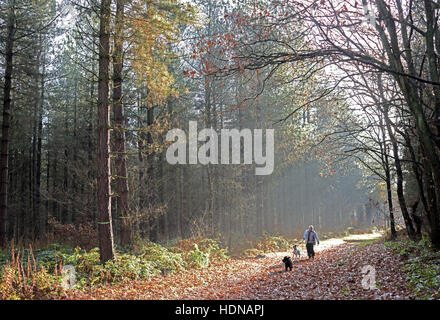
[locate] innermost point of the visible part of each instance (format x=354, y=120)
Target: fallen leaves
x=334, y=274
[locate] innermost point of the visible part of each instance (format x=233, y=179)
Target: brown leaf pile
x=334, y=274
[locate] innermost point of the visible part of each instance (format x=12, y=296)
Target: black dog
x=288, y=263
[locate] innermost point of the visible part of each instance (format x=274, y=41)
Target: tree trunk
x=403, y=207
x=65, y=215
x=48, y=163
x=151, y=185
x=119, y=129
x=141, y=225
x=90, y=174
x=163, y=220
x=54, y=185
x=180, y=211
x=386, y=165
x=105, y=230
x=418, y=176
x=75, y=181
x=5, y=125
x=40, y=220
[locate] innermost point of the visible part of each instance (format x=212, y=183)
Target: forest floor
x=334, y=274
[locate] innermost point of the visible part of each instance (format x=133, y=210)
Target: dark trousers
x=310, y=251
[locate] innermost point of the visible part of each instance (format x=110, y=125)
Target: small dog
x=288, y=263
x=296, y=252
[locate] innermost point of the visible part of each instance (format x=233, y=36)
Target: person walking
x=311, y=238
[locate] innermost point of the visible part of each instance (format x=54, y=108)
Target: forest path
x=334, y=274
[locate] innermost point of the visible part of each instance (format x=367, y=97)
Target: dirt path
x=334, y=274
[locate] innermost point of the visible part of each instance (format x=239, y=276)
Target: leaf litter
x=334, y=274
